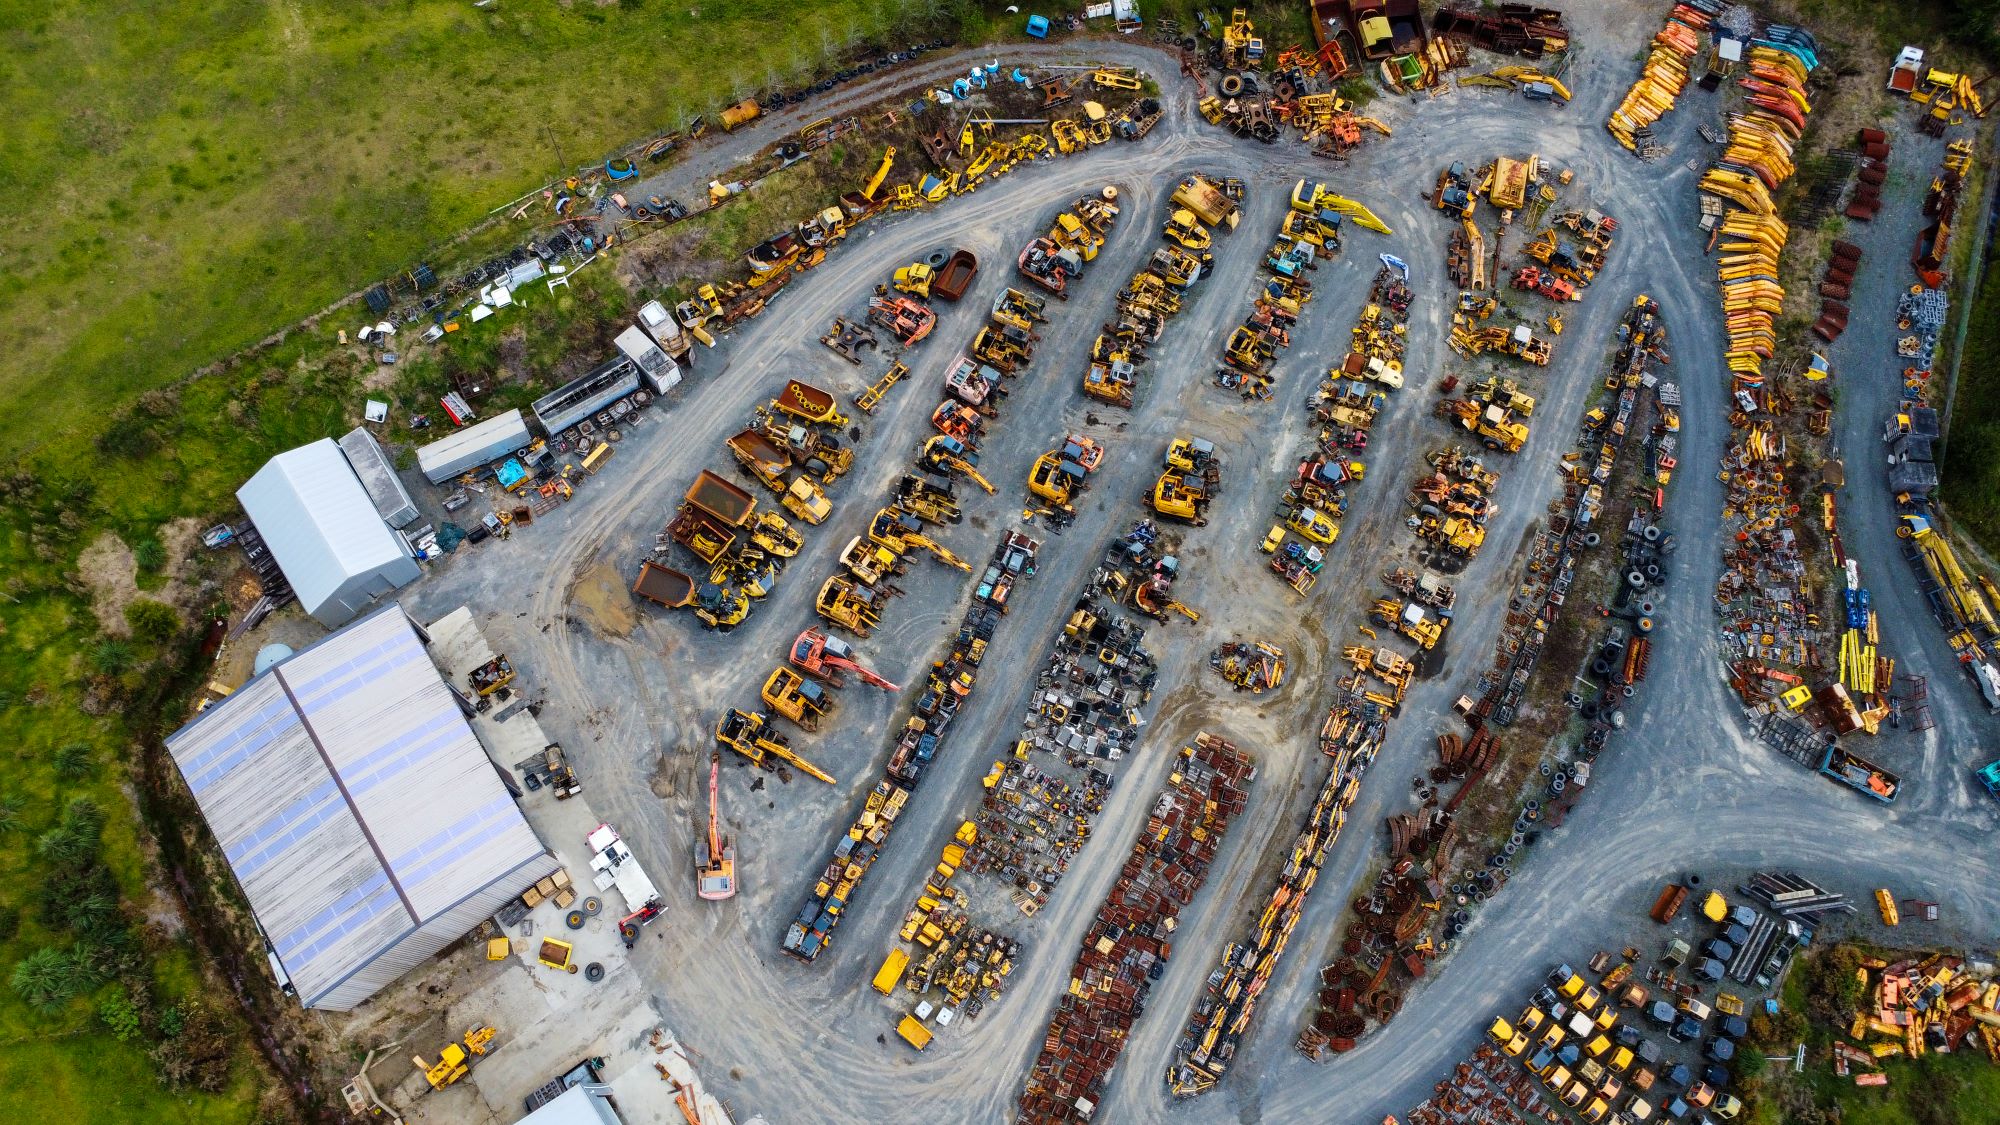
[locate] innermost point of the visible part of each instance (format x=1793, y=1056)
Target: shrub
x=197, y=1052
x=65, y=846
x=10, y=813
x=46, y=979
x=110, y=658
x=74, y=761
x=120, y=1015
x=150, y=554
x=152, y=621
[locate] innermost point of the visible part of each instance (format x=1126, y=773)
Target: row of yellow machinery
x=1661, y=79
x=803, y=691
x=985, y=156
x=1309, y=231
x=1153, y=296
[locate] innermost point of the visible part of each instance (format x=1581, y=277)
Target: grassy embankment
x=206, y=173
x=1818, y=997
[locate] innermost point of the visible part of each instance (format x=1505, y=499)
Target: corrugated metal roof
x=351, y=798
x=318, y=521
x=588, y=1103
x=473, y=446
x=378, y=477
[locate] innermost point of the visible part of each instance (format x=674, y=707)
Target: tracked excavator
x=751, y=734
x=947, y=454
x=796, y=698
x=715, y=854
x=902, y=533
x=826, y=658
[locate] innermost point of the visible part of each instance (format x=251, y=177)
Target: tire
x=593, y=906
x=1652, y=533
x=1592, y=539
x=574, y=919
x=593, y=972
x=1231, y=85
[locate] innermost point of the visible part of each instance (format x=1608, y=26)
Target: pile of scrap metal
x=1917, y=1007
x=1300, y=93
x=1929, y=256
x=1646, y=409
x=1484, y=1087
x=1127, y=945
x=1510, y=29
x=1252, y=666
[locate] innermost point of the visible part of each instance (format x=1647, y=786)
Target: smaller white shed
x=325, y=532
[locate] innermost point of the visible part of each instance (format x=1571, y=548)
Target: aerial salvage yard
x=1160, y=635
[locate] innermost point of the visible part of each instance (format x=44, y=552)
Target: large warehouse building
x=356, y=807
x=325, y=532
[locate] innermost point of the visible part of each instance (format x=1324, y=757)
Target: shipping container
x=473, y=446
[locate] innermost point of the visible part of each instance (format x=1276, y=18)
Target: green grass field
x=187, y=178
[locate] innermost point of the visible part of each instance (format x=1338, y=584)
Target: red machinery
x=825, y=657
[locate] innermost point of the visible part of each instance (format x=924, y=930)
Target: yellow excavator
x=901, y=532
x=1181, y=496
x=793, y=696
x=1058, y=475
x=950, y=455
x=874, y=183
x=752, y=735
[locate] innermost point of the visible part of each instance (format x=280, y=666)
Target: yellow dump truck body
x=891, y=971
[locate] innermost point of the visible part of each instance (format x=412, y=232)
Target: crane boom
x=714, y=776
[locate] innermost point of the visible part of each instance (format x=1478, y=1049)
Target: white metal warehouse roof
x=351, y=799
x=309, y=506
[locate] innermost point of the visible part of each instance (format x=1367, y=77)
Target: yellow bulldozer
x=1411, y=620
x=1491, y=423
x=853, y=606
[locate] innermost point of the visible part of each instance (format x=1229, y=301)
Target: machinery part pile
x=1662, y=78
x=1127, y=944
